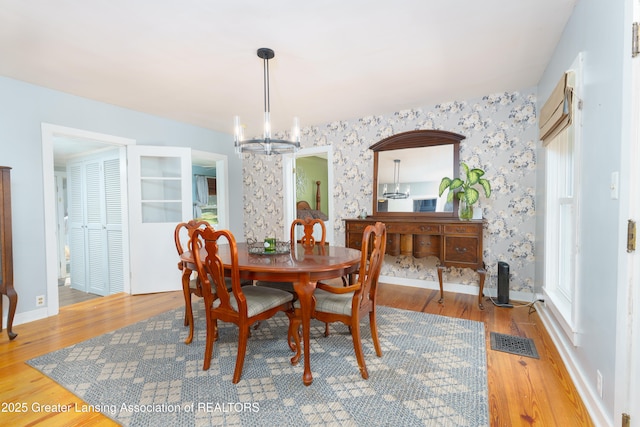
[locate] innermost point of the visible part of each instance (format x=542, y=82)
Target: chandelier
x=396, y=194
x=266, y=144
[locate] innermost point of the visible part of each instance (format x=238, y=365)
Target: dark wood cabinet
x=456, y=243
x=6, y=280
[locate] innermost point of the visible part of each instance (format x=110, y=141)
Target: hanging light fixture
x=396, y=194
x=266, y=144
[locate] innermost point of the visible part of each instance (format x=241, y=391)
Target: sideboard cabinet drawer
x=426, y=245
x=461, y=250
x=463, y=228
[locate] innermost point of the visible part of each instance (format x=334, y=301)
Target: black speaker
x=503, y=283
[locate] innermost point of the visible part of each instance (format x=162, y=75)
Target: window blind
x=556, y=113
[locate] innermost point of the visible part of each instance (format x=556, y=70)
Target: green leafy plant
x=464, y=189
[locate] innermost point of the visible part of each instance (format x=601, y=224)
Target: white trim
x=564, y=302
x=289, y=191
x=560, y=319
x=457, y=288
x=627, y=366
x=289, y=187
x=30, y=316
x=49, y=131
x=222, y=181
x=589, y=396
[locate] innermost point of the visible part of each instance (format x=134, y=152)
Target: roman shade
x=556, y=113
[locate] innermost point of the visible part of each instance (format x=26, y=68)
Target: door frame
x=49, y=132
x=221, y=162
x=627, y=390
x=289, y=187
x=60, y=177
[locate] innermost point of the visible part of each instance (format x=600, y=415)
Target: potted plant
x=465, y=191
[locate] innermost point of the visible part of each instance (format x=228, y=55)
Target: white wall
x=601, y=30
x=23, y=107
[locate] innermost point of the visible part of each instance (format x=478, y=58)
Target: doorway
x=302, y=171
x=60, y=145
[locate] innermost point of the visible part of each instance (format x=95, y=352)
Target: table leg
x=304, y=289
x=440, y=270
x=13, y=303
x=482, y=273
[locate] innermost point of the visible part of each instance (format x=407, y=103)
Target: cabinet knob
x=461, y=250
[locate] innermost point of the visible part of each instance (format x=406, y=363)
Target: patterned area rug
x=432, y=372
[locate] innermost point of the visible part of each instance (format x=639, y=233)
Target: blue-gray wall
x=23, y=108
x=601, y=30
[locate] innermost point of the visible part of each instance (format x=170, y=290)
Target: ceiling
x=195, y=60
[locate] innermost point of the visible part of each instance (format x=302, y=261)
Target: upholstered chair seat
x=328, y=302
x=259, y=299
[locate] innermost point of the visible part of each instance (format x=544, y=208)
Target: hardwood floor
x=522, y=391
x=68, y=296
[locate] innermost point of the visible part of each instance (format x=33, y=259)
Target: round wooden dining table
x=303, y=266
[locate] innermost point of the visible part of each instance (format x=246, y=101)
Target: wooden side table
x=6, y=251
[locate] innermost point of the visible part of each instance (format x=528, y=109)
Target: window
x=562, y=142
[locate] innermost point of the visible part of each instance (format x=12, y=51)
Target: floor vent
x=514, y=345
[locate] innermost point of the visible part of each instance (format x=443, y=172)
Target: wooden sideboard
x=455, y=243
x=6, y=251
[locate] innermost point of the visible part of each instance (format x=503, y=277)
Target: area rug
x=433, y=372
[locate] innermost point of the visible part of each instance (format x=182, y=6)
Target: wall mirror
x=407, y=169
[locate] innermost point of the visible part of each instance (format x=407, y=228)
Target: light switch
x=615, y=185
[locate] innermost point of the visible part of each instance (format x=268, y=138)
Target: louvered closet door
x=96, y=272
x=96, y=229
x=76, y=225
x=113, y=226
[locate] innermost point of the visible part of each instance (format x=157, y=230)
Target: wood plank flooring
x=68, y=296
x=522, y=391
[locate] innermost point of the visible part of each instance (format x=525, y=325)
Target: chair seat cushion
x=328, y=302
x=260, y=299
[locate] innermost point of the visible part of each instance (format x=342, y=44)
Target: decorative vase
x=465, y=211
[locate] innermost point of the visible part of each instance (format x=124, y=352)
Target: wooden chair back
x=211, y=269
x=184, y=232
x=374, y=242
x=309, y=225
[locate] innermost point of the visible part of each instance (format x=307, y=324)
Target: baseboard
x=457, y=287
x=29, y=316
x=568, y=355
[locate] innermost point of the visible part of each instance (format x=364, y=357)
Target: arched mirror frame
x=409, y=140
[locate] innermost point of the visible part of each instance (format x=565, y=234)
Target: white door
x=76, y=223
x=159, y=198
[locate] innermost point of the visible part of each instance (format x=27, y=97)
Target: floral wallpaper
x=501, y=135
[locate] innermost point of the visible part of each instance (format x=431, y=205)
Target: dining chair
x=307, y=240
x=348, y=304
x=242, y=306
x=182, y=236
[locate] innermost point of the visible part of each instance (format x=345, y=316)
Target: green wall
x=309, y=170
